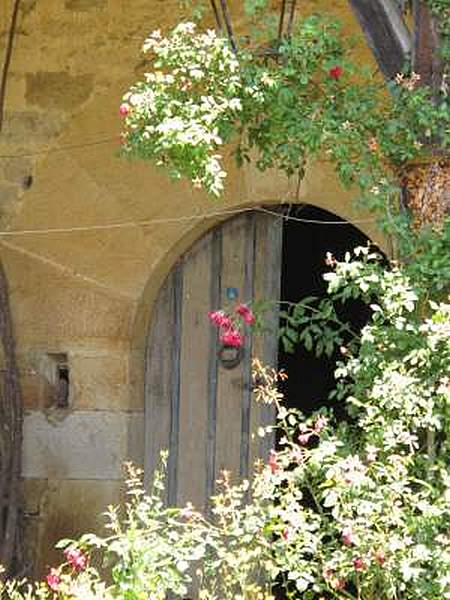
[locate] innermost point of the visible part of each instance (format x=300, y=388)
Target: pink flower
x=53, y=579
x=334, y=582
x=286, y=534
x=359, y=564
x=273, y=462
x=304, y=438
x=380, y=557
x=335, y=72
x=320, y=424
x=76, y=558
x=246, y=313
x=232, y=337
x=219, y=318
x=124, y=110
x=348, y=537
x=338, y=584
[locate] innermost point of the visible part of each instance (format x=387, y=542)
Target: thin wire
x=313, y=221
x=60, y=148
x=70, y=272
x=159, y=221
x=126, y=224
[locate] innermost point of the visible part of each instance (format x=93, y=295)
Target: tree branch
x=228, y=25
x=386, y=33
x=281, y=22
x=7, y=61
x=216, y=15
x=291, y=18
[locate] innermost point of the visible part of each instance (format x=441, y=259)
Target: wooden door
x=194, y=407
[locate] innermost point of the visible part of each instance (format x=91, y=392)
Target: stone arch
x=198, y=241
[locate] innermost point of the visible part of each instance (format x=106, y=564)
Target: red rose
x=232, y=337
x=246, y=313
x=219, y=318
x=124, y=109
x=335, y=72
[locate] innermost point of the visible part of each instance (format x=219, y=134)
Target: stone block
x=64, y=509
x=8, y=193
x=58, y=89
x=25, y=127
x=84, y=5
x=27, y=7
x=79, y=445
x=101, y=381
x=15, y=170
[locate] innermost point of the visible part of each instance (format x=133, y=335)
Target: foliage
x=185, y=109
x=354, y=510
x=357, y=510
x=304, y=99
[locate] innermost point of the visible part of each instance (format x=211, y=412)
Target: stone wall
x=95, y=236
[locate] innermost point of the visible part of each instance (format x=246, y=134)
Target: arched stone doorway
x=194, y=407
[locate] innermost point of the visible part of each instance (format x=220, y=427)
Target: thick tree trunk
x=427, y=188
x=11, y=419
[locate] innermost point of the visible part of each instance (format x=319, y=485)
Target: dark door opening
x=305, y=244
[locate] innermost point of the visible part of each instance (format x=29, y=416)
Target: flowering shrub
x=184, y=110
x=303, y=99
x=357, y=510
x=376, y=507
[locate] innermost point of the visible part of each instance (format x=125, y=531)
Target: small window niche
x=59, y=379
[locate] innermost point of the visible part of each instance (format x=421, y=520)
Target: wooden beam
x=386, y=33
x=426, y=60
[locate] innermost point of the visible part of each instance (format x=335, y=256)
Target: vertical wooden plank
x=246, y=408
x=215, y=294
x=195, y=350
x=260, y=297
x=229, y=385
x=158, y=380
x=267, y=279
x=272, y=281
x=172, y=465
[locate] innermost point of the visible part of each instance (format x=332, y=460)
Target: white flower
x=235, y=104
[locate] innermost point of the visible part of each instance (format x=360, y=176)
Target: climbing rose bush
x=279, y=105
x=182, y=113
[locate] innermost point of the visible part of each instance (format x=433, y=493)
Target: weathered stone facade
x=96, y=236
